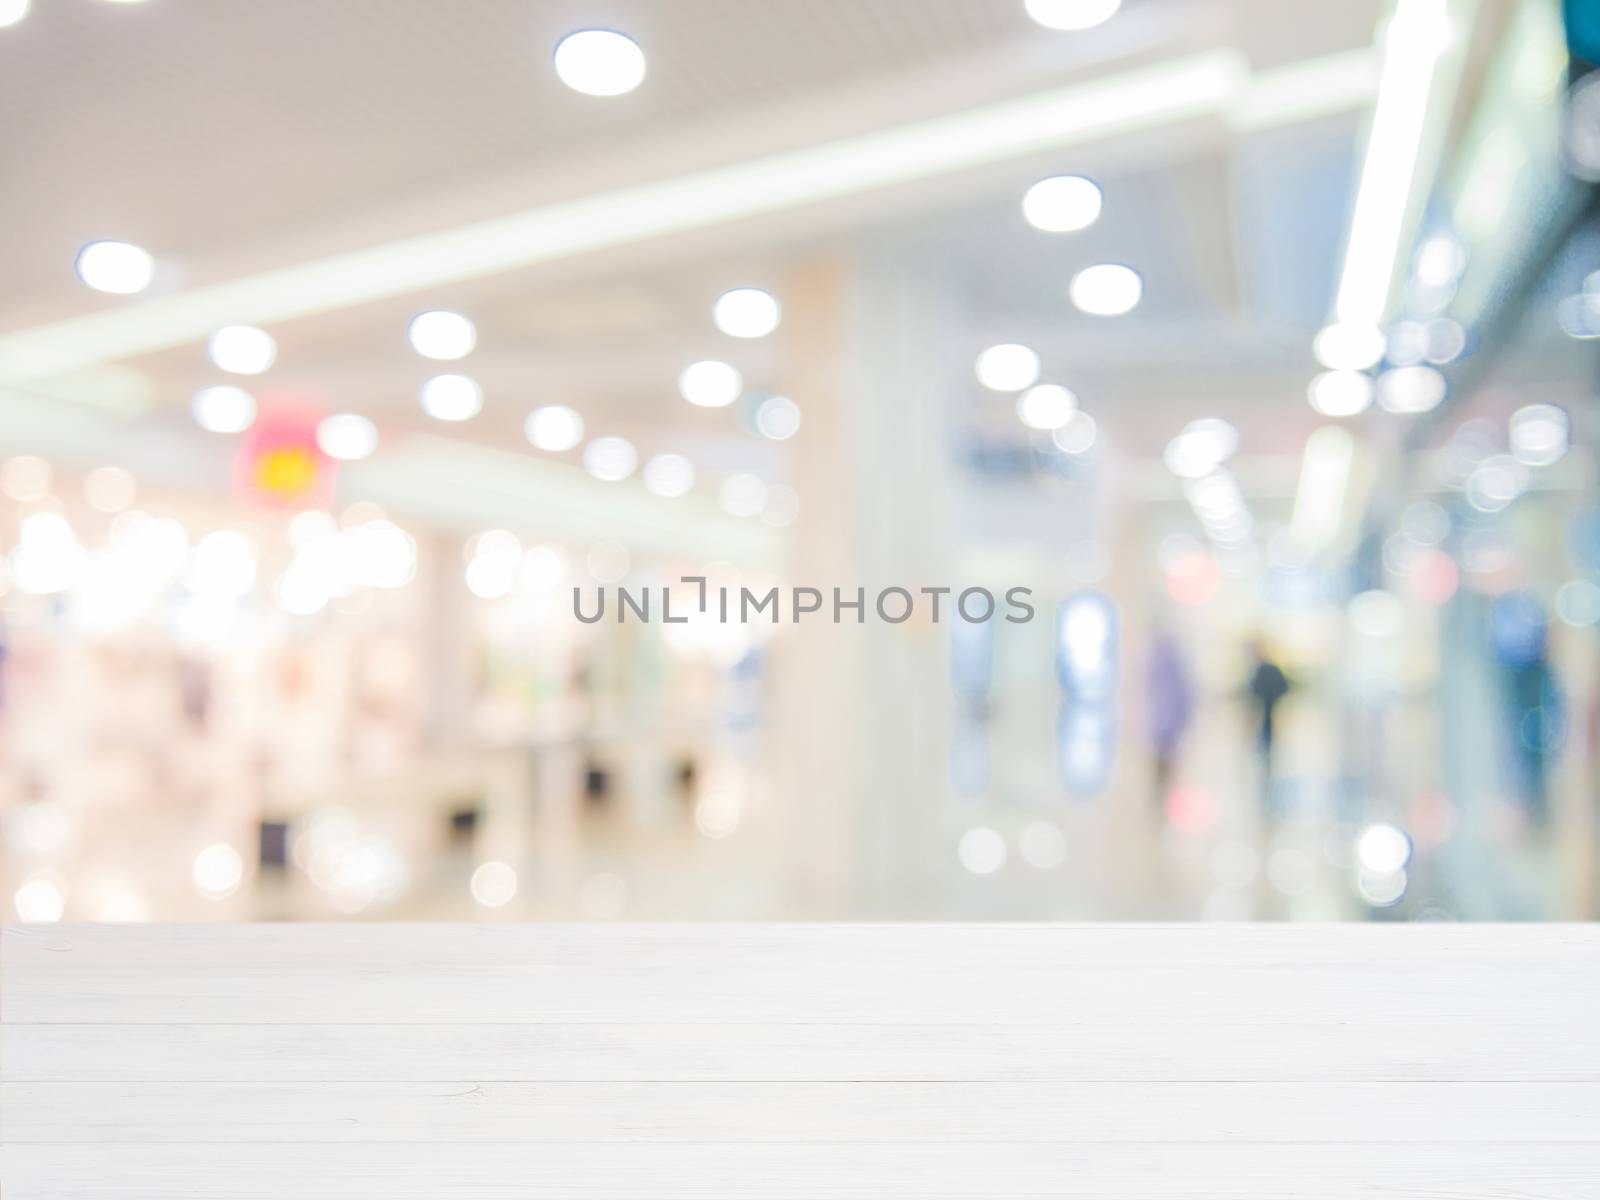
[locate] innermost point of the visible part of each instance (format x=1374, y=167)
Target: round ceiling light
x=610, y=458
x=242, y=349
x=1007, y=367
x=1072, y=14
x=1062, y=204
x=1340, y=393
x=554, y=428
x=746, y=313
x=451, y=397
x=1047, y=406
x=1107, y=290
x=442, y=335
x=1348, y=346
x=120, y=268
x=599, y=62
x=710, y=384
x=223, y=409
x=347, y=436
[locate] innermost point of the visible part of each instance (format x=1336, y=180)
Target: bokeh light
x=599, y=62
x=119, y=268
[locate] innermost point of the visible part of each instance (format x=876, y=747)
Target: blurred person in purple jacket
x=1169, y=705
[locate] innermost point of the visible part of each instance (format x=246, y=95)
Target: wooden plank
x=420, y=947
x=1368, y=1045
x=894, y=975
x=911, y=1113
x=800, y=1062
x=1153, y=1171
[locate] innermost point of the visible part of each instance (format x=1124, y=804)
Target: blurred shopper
x=1535, y=710
x=1169, y=704
x=1268, y=686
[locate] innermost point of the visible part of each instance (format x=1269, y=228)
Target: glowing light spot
x=981, y=850
x=1008, y=367
x=493, y=884
x=217, y=871
x=242, y=349
x=1062, y=204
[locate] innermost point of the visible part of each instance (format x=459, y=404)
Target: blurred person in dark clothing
x=1268, y=686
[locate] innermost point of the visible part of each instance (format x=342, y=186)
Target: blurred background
x=340, y=342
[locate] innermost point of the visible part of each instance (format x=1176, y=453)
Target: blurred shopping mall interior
x=344, y=345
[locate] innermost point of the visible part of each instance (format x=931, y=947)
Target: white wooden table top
x=799, y=1062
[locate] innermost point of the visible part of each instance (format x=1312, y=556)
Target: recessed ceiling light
x=1107, y=290
x=1072, y=14
x=1345, y=346
x=1046, y=407
x=778, y=418
x=224, y=409
x=710, y=384
x=12, y=11
x=554, y=428
x=1062, y=204
x=442, y=335
x=1007, y=367
x=452, y=397
x=242, y=349
x=120, y=268
x=347, y=436
x=1340, y=393
x=669, y=475
x=599, y=62
x=746, y=313
x=1156, y=95
x=610, y=458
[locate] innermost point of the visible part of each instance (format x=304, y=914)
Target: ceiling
x=233, y=138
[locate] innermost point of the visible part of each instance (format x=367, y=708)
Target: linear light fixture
x=1307, y=91
x=1212, y=83
x=1319, y=500
x=1414, y=41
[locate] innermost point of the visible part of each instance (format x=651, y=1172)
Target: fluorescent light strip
x=1324, y=481
x=1306, y=91
x=1216, y=82
x=1417, y=35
